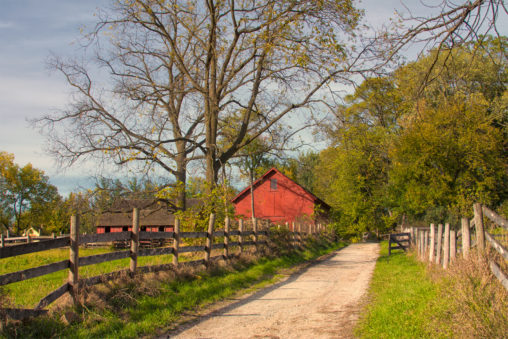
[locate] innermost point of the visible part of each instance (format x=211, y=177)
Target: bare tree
x=148, y=115
x=451, y=23
x=184, y=69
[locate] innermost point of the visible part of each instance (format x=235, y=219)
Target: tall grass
x=476, y=303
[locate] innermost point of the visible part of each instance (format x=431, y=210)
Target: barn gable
x=279, y=199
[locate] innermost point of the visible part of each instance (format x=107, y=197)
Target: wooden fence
x=297, y=234
x=8, y=240
x=442, y=244
x=398, y=241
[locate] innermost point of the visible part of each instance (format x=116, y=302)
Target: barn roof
x=270, y=172
x=153, y=212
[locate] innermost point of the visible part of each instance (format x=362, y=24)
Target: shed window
x=273, y=184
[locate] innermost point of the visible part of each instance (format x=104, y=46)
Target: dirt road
x=321, y=301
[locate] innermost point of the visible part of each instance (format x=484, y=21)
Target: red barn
x=280, y=199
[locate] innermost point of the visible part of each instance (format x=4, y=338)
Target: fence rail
x=443, y=246
x=74, y=240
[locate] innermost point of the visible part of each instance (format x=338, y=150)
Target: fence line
x=75, y=283
x=444, y=246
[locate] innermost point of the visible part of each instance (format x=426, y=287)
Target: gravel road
x=320, y=301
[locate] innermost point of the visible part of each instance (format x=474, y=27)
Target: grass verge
x=149, y=304
x=399, y=295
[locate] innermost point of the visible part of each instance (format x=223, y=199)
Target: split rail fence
x=297, y=234
x=440, y=245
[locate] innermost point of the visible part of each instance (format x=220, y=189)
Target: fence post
x=2, y=239
x=53, y=235
x=478, y=223
x=453, y=245
x=446, y=246
x=209, y=238
x=134, y=241
x=389, y=244
x=439, y=243
x=422, y=245
x=432, y=242
x=176, y=241
x=466, y=237
x=293, y=238
x=226, y=237
x=28, y=240
x=74, y=258
x=299, y=233
x=240, y=237
x=425, y=244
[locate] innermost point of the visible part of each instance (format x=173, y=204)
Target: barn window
x=161, y=228
x=273, y=184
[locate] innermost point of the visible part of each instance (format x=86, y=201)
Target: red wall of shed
x=287, y=203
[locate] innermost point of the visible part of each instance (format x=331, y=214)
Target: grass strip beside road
x=130, y=312
x=398, y=301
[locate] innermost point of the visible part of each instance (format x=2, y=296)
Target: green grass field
x=130, y=311
x=27, y=293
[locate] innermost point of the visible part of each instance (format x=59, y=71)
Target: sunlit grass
x=399, y=294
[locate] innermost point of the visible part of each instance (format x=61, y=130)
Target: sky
x=31, y=31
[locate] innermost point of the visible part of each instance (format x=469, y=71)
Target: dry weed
x=477, y=304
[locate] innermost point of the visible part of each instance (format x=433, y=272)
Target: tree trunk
x=181, y=177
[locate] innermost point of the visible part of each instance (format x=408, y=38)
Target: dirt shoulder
x=319, y=301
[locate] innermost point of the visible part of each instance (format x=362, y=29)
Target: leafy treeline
x=421, y=144
x=29, y=200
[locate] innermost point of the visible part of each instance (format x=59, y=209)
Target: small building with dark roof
x=154, y=216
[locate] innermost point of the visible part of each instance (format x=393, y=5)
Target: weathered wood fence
x=297, y=235
x=441, y=244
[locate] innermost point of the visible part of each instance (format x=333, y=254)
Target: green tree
x=25, y=189
x=353, y=172
x=452, y=147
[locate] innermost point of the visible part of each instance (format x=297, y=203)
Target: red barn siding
x=288, y=203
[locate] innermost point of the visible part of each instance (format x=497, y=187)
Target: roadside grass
x=149, y=304
x=399, y=297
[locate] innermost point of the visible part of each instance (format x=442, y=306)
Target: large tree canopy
x=399, y=151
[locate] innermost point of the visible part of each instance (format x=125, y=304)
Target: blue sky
x=30, y=30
